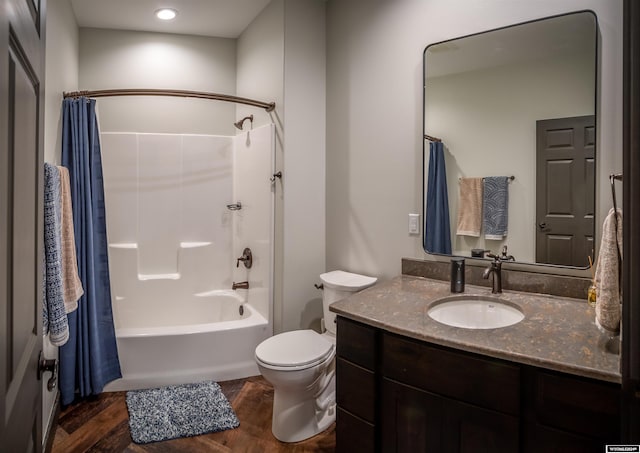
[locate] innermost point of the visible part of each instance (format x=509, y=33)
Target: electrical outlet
x=414, y=223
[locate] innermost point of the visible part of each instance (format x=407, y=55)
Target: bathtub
x=210, y=335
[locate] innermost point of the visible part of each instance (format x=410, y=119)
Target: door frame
x=630, y=350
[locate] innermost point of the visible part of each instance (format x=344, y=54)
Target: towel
x=470, y=207
x=437, y=231
x=54, y=315
x=495, y=213
x=607, y=277
x=71, y=284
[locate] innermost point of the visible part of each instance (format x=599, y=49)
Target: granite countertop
x=557, y=333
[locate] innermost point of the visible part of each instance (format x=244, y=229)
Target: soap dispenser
x=457, y=275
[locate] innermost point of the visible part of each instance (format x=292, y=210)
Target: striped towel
x=495, y=212
x=54, y=315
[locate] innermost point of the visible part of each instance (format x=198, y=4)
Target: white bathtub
x=198, y=338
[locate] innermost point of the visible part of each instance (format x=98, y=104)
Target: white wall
x=374, y=114
x=130, y=59
x=304, y=162
x=61, y=72
x=61, y=75
x=281, y=57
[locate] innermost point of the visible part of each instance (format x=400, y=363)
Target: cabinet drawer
x=467, y=377
x=353, y=434
x=579, y=405
x=355, y=389
x=356, y=342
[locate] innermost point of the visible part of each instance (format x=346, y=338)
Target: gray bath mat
x=178, y=411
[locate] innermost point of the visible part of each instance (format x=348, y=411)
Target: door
x=21, y=162
x=565, y=190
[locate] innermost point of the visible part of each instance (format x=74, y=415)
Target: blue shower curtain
x=89, y=360
x=437, y=234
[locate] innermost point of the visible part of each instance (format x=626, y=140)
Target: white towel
x=495, y=208
x=470, y=207
x=608, y=291
x=71, y=284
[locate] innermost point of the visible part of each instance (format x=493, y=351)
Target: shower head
x=239, y=124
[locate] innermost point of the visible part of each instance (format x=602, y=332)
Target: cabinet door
x=542, y=439
x=417, y=421
x=411, y=419
x=354, y=434
x=471, y=429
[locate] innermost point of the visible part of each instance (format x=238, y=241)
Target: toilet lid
x=346, y=281
x=295, y=348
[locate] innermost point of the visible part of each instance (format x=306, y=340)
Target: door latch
x=50, y=365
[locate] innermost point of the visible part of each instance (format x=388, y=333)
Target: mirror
x=517, y=103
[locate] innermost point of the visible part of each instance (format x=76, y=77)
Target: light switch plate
x=414, y=223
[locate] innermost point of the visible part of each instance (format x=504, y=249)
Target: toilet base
x=296, y=417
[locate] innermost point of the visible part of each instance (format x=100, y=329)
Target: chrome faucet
x=240, y=285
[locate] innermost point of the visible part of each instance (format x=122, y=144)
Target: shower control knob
x=246, y=258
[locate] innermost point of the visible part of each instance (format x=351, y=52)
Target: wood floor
x=102, y=425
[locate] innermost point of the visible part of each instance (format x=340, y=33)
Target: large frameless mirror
x=509, y=154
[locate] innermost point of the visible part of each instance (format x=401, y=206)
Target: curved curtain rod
x=268, y=106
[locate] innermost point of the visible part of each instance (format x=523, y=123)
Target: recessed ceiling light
x=166, y=13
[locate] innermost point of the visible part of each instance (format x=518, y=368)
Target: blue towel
x=495, y=204
x=54, y=315
x=437, y=231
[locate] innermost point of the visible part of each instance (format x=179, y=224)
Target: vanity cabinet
x=397, y=394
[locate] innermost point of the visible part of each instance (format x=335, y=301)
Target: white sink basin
x=475, y=312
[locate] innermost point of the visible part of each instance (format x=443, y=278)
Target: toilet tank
x=338, y=285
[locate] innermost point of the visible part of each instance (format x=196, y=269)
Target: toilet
x=301, y=366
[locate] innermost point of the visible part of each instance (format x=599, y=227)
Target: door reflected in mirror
x=517, y=101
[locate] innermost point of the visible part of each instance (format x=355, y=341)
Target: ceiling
x=219, y=18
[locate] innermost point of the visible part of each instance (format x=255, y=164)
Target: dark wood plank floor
x=102, y=425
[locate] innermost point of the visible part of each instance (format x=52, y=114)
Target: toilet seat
x=295, y=350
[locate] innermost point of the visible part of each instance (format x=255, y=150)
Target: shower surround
x=173, y=246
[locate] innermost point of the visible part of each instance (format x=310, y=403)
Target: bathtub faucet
x=240, y=285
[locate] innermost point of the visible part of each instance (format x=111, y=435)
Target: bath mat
x=178, y=411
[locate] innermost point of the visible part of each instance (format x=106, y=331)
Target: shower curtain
x=89, y=360
x=437, y=234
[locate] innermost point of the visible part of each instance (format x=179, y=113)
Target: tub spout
x=240, y=285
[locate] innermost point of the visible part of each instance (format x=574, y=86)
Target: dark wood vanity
x=397, y=394
x=408, y=384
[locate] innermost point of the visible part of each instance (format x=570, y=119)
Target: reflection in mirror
x=512, y=112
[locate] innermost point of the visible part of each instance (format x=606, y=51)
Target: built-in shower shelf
x=124, y=245
x=175, y=276
x=193, y=245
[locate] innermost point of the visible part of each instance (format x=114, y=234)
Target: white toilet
x=301, y=367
